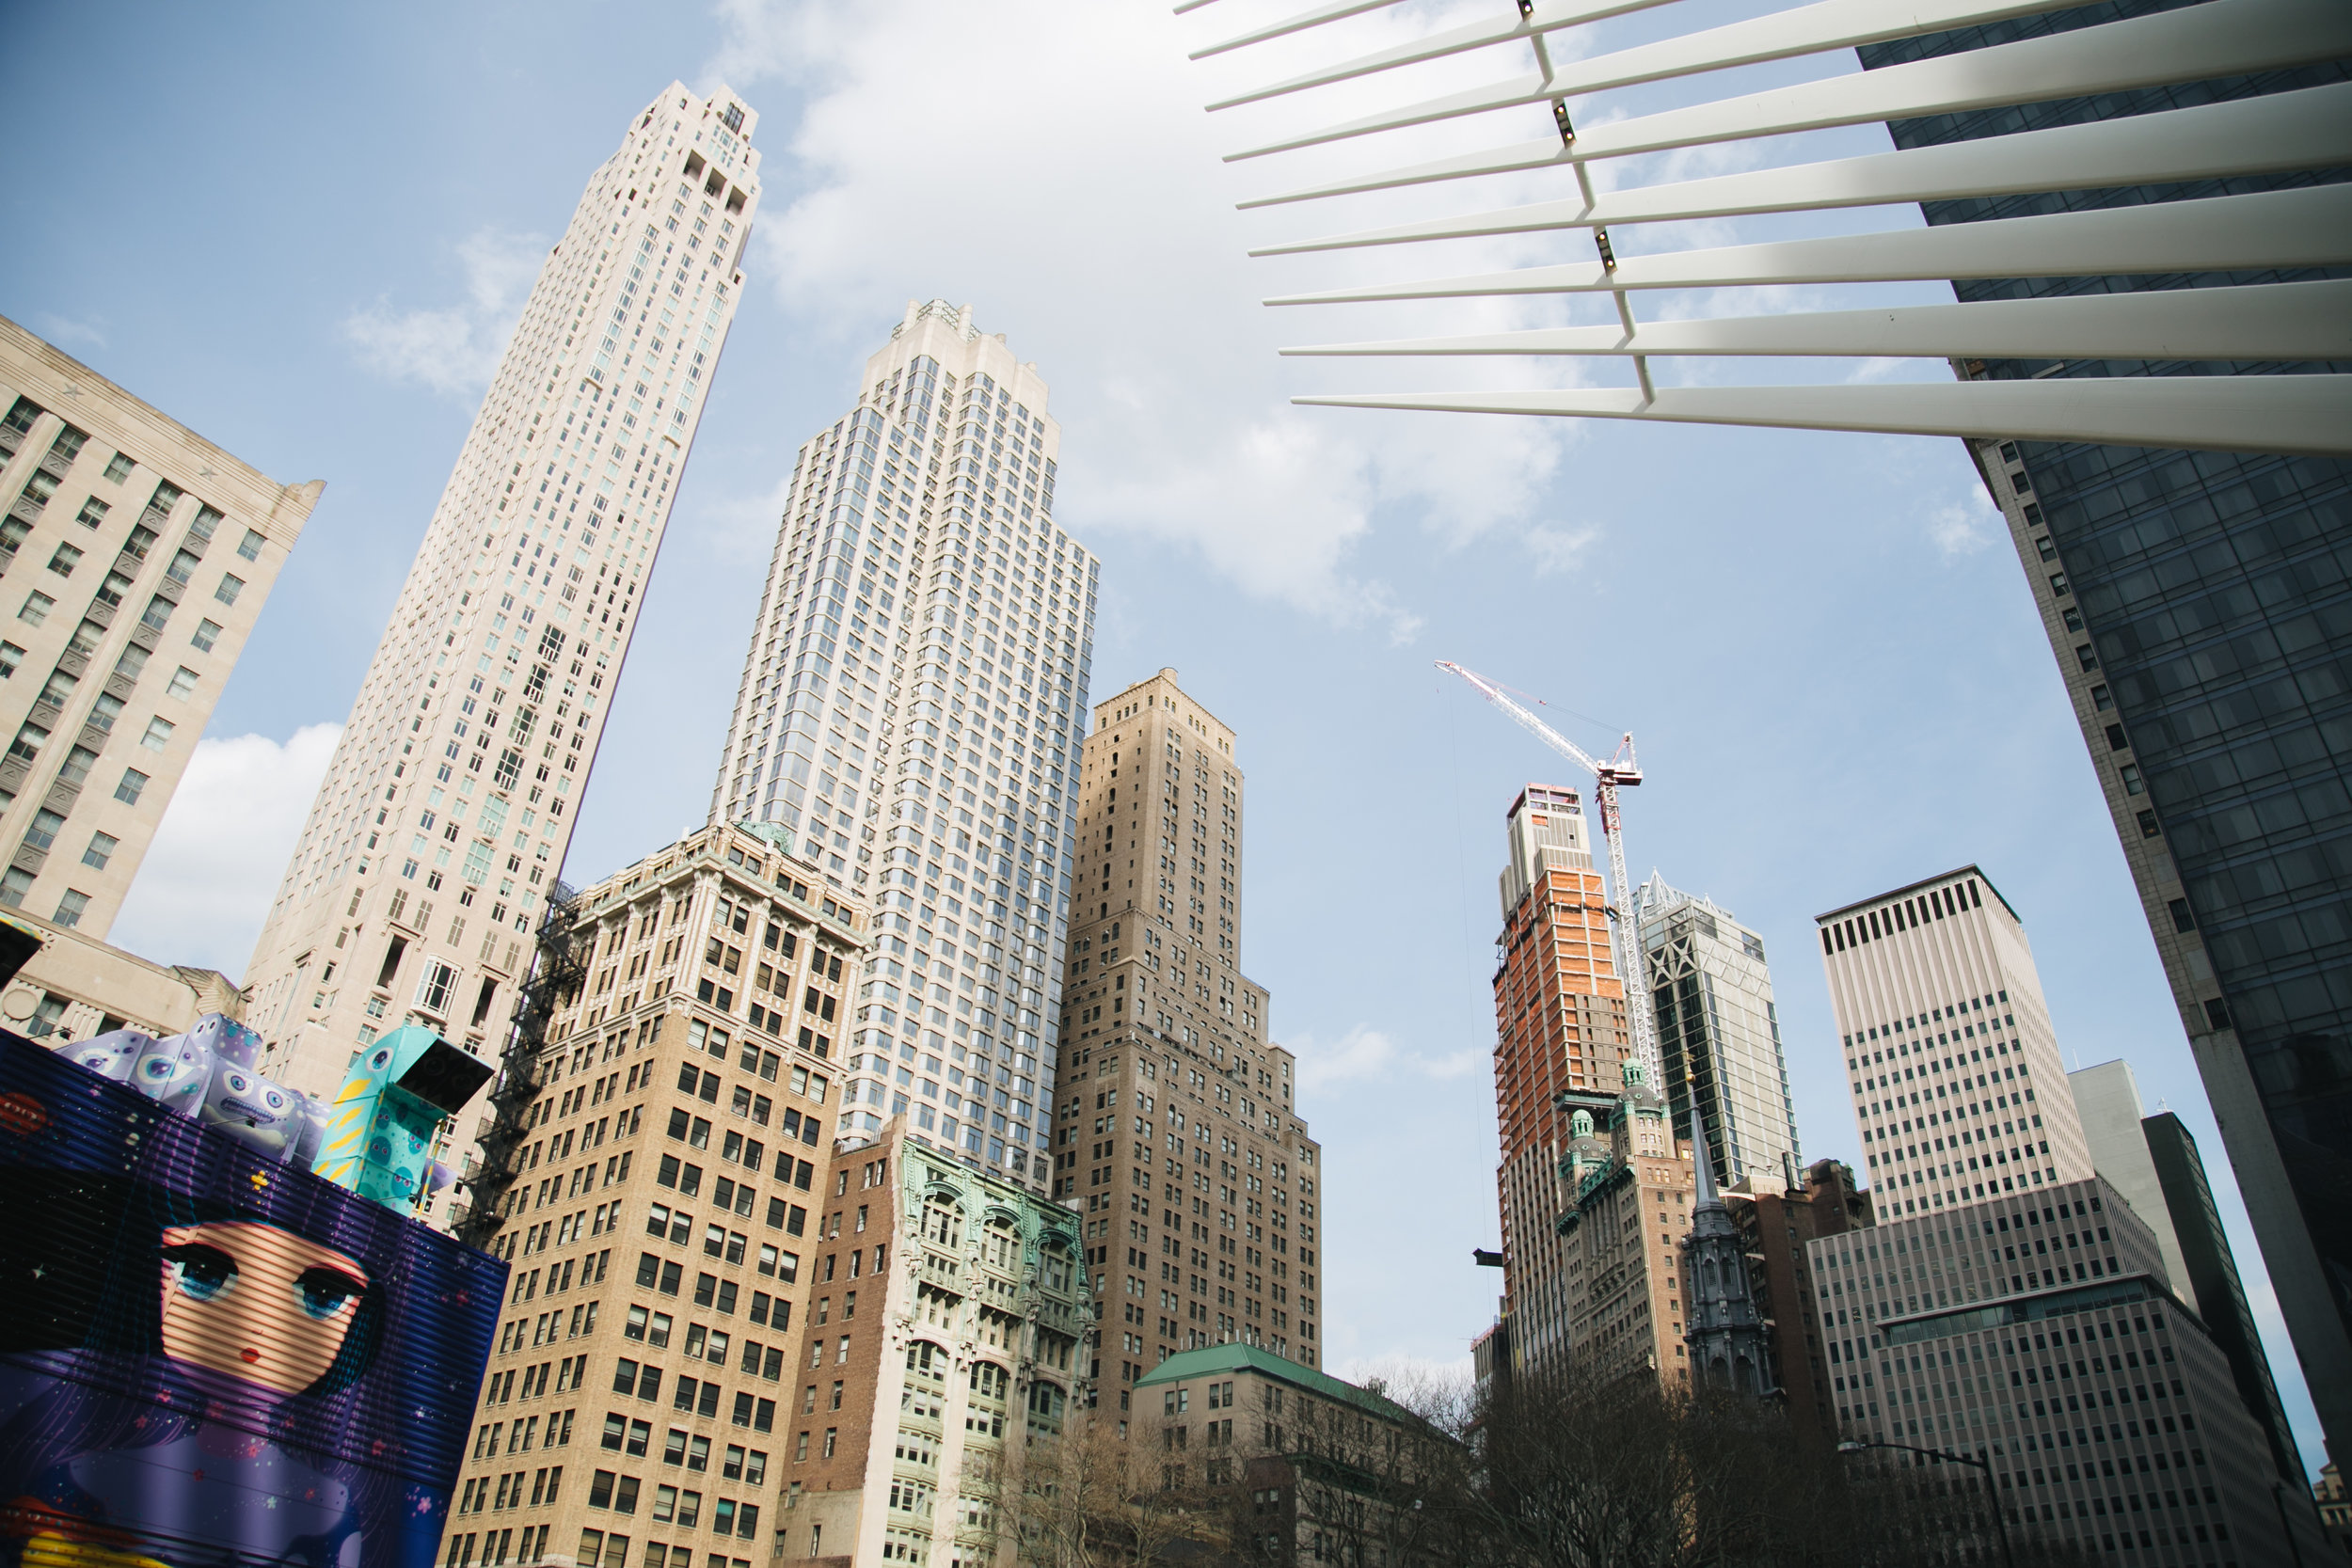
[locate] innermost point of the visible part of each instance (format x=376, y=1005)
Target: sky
x=318, y=224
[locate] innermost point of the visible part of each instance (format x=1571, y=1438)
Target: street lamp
x=2000, y=1521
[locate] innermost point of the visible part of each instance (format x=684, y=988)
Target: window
x=11, y=657
x=70, y=908
x=2182, y=919
x=182, y=685
x=182, y=565
x=15, y=883
x=57, y=688
x=102, y=848
x=132, y=661
x=104, y=711
x=119, y=468
x=434, y=987
x=207, y=633
x=250, y=545
x=128, y=790
x=157, y=613
x=65, y=559
x=112, y=587
x=42, y=833
x=158, y=735
x=35, y=609
x=28, y=740
x=231, y=586
x=93, y=513
x=77, y=766
x=2130, y=775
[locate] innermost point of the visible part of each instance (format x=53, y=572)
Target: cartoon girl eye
x=325, y=1291
x=203, y=1272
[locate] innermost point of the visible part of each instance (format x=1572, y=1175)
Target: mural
x=209, y=1356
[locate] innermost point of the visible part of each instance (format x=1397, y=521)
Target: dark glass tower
x=2201, y=607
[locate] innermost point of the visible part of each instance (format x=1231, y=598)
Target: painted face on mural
x=256, y=1303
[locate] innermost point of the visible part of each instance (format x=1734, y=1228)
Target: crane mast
x=1624, y=937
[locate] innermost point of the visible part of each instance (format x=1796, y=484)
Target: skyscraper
x=920, y=753
x=2195, y=604
x=2152, y=1164
x=1177, y=1134
x=1718, y=1032
x=143, y=554
x=445, y=811
x=1949, y=1054
x=1561, y=1041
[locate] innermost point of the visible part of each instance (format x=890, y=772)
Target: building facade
x=75, y=986
x=1178, y=1136
x=2212, y=1286
x=2107, y=1098
x=2034, y=1331
x=1778, y=1220
x=1950, y=1057
x=1309, y=1469
x=1561, y=1041
x=1718, y=1031
x=443, y=817
x=1629, y=1187
x=2196, y=611
x=662, y=1134
x=918, y=1408
x=911, y=708
x=143, y=554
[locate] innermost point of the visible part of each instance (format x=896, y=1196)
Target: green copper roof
x=1217, y=1360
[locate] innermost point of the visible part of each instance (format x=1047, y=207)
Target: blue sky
x=308, y=229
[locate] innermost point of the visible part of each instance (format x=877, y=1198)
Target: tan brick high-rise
x=444, y=816
x=662, y=1138
x=1176, y=1130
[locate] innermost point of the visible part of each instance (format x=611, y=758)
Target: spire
x=1701, y=1169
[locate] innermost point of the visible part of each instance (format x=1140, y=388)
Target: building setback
x=2107, y=1098
x=2195, y=604
x=2034, y=1331
x=1177, y=1136
x=1560, y=1029
x=441, y=824
x=913, y=694
x=918, y=1403
x=142, y=555
x=1949, y=1054
x=660, y=1138
x=1718, y=1031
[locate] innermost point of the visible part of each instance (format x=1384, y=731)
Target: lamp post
x=2000, y=1521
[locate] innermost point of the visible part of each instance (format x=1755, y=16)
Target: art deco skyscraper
x=1953, y=1066
x=1177, y=1135
x=1718, y=1032
x=445, y=811
x=910, y=713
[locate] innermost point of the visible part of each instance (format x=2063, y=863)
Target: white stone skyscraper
x=1949, y=1053
x=445, y=813
x=911, y=712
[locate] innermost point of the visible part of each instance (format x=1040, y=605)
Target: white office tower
x=1953, y=1066
x=911, y=712
x=1718, y=1032
x=444, y=815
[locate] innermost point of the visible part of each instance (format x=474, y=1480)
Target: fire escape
x=556, y=974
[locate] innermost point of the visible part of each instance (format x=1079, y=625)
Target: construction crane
x=1621, y=771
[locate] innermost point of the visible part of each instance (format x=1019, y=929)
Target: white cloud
x=1965, y=525
x=1365, y=1053
x=453, y=351
x=63, y=330
x=207, y=881
x=1085, y=214
x=1560, y=549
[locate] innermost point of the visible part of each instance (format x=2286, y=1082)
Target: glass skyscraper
x=2201, y=608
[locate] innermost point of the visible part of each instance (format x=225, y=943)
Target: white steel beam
x=1550, y=17
x=2310, y=227
x=2284, y=322
x=2300, y=414
x=2224, y=37
x=2308, y=129
x=1317, y=17
x=1783, y=35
